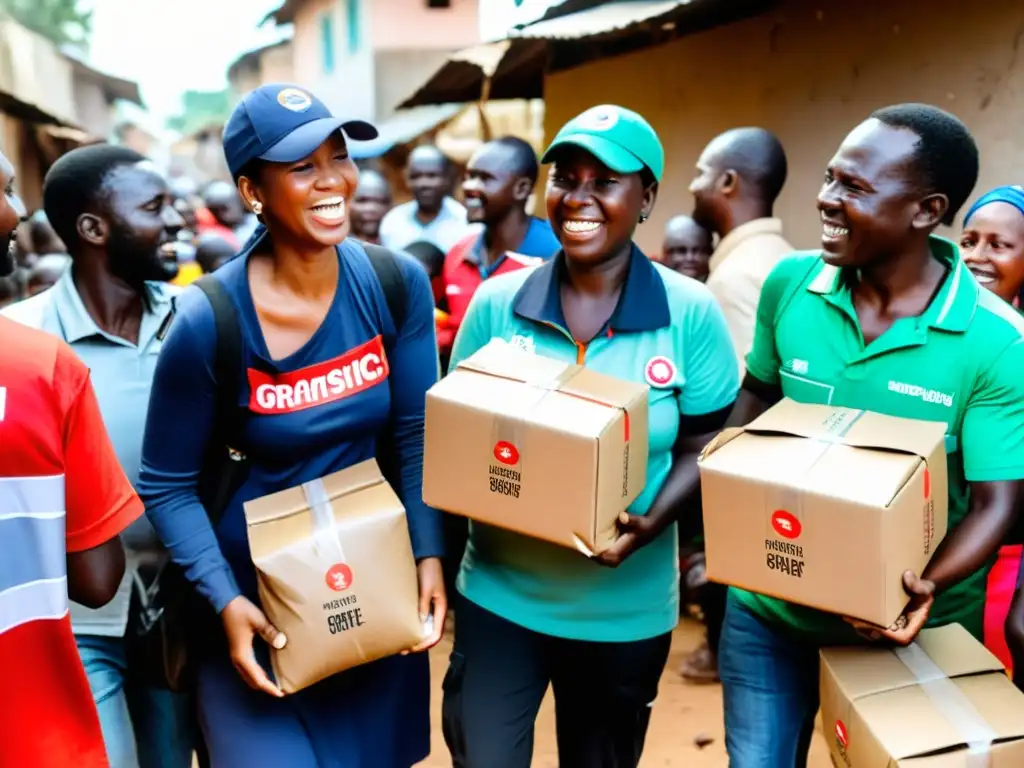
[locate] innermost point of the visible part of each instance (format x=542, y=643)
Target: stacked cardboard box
x=825, y=506
x=535, y=445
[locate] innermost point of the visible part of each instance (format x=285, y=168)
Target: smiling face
x=307, y=201
x=427, y=177
x=491, y=187
x=993, y=248
x=687, y=248
x=871, y=203
x=709, y=199
x=371, y=202
x=142, y=224
x=594, y=210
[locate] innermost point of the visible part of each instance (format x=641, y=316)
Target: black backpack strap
x=389, y=273
x=226, y=464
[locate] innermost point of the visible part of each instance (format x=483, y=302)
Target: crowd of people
x=137, y=309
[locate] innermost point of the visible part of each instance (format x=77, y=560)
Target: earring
x=643, y=217
x=257, y=207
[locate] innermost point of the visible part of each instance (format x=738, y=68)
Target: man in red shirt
x=64, y=500
x=499, y=179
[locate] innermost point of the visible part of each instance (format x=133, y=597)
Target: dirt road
x=681, y=713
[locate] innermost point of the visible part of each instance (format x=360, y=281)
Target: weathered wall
x=810, y=71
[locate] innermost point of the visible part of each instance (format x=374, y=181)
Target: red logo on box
x=841, y=735
x=927, y=484
x=506, y=453
x=786, y=524
x=339, y=577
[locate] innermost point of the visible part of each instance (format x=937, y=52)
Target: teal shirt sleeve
x=992, y=436
x=476, y=329
x=712, y=379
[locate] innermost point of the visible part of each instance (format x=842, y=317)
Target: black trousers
x=498, y=676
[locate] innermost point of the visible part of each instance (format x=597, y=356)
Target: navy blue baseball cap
x=283, y=123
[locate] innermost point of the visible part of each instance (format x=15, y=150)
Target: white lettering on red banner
x=348, y=374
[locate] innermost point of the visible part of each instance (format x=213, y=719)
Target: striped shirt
x=62, y=490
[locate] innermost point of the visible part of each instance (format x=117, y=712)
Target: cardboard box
x=924, y=706
x=546, y=448
x=336, y=574
x=825, y=506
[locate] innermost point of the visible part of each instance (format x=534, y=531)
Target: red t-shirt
x=61, y=490
x=461, y=277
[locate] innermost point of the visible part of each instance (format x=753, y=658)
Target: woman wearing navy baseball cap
x=304, y=295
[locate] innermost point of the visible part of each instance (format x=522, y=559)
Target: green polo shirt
x=961, y=362
x=667, y=331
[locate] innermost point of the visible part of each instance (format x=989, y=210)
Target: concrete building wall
x=92, y=110
x=350, y=88
x=810, y=71
x=399, y=73
x=277, y=65
x=403, y=24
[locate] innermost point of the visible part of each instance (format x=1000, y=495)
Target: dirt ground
x=682, y=713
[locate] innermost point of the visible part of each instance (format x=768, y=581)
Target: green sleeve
x=763, y=361
x=992, y=437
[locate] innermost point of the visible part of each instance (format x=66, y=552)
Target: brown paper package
x=336, y=574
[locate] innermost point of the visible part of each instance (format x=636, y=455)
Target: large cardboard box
x=825, y=506
x=336, y=574
x=943, y=702
x=546, y=448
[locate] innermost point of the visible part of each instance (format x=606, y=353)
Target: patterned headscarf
x=1012, y=195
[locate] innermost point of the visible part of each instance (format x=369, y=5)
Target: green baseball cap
x=616, y=136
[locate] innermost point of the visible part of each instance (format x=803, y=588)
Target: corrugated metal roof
x=403, y=127
x=611, y=18
x=565, y=41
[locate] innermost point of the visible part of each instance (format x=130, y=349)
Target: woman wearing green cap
x=532, y=614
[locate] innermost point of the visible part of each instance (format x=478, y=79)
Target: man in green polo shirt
x=886, y=317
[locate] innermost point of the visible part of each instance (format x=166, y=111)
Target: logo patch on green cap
x=598, y=119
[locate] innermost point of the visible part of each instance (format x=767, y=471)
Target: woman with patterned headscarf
x=992, y=244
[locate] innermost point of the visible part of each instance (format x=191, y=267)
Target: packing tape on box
x=792, y=499
x=325, y=536
x=553, y=383
x=952, y=703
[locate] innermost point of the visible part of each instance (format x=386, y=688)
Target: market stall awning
x=405, y=126
x=569, y=40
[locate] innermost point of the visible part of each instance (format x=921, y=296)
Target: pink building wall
x=405, y=24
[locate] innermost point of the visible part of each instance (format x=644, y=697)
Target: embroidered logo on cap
x=294, y=99
x=598, y=119
x=659, y=371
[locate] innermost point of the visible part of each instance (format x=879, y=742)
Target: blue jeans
x=142, y=727
x=770, y=691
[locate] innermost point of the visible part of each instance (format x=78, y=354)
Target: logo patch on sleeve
x=348, y=374
x=659, y=371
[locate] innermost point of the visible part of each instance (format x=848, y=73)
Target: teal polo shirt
x=668, y=332
x=960, y=362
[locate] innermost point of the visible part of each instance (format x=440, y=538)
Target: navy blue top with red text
x=313, y=412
